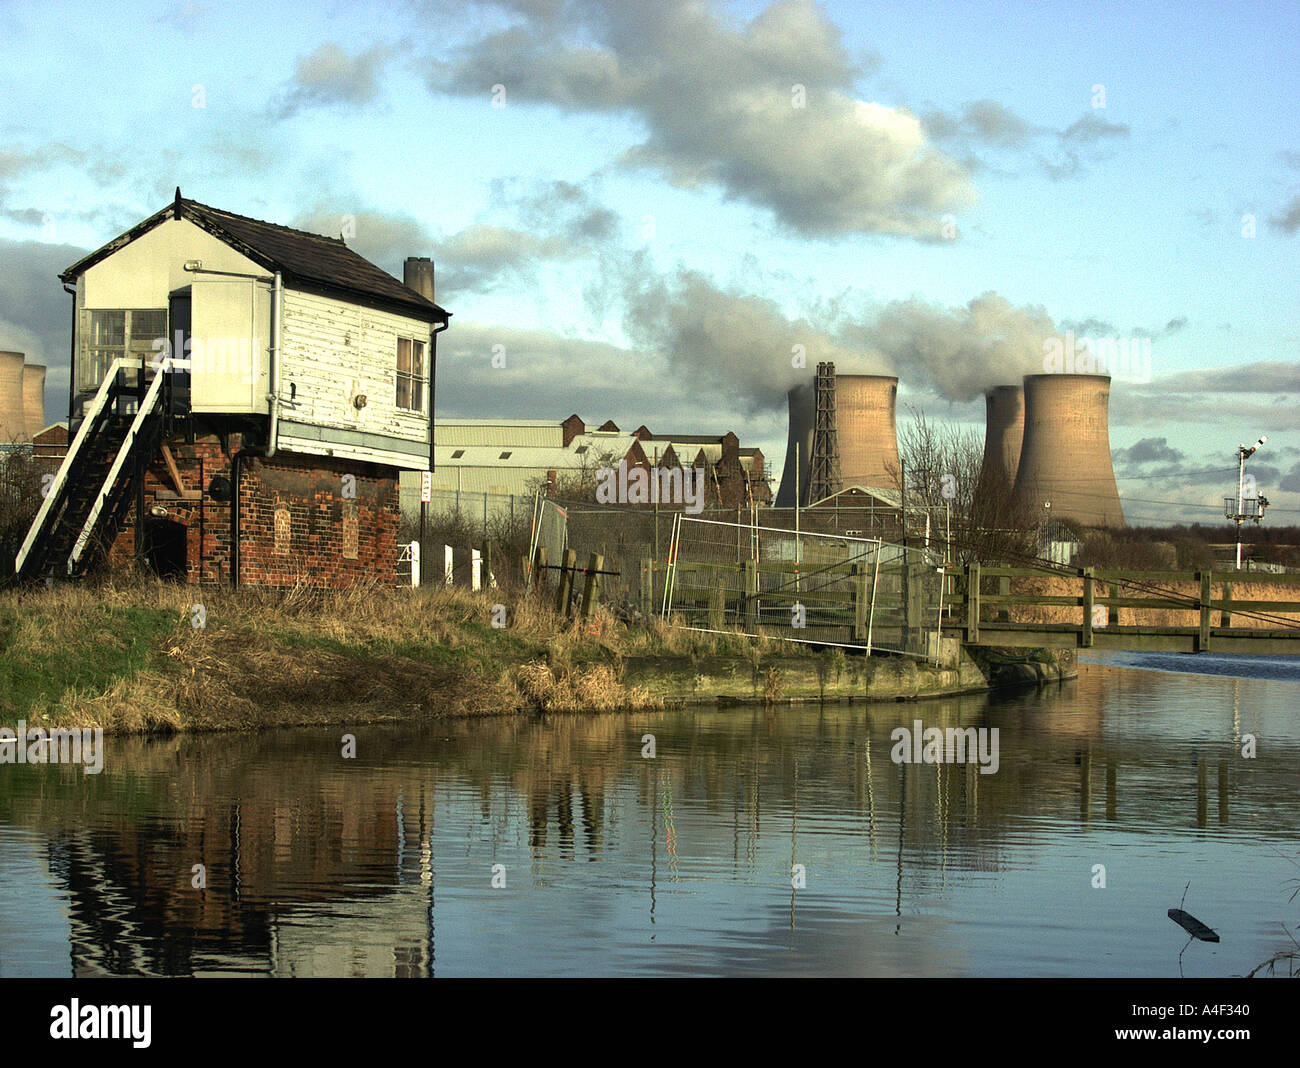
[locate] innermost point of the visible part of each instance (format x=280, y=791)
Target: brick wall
x=302, y=519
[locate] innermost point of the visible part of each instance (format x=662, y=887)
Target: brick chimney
x=573, y=426
x=417, y=274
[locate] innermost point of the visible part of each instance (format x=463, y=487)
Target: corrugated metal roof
x=490, y=456
x=450, y=421
x=504, y=480
x=505, y=435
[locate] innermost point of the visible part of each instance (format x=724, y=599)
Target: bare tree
x=20, y=499
x=941, y=462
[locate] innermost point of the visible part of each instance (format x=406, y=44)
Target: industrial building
x=482, y=465
x=244, y=396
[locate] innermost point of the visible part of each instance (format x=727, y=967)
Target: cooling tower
x=1004, y=430
x=868, y=437
x=13, y=427
x=800, y=444
x=34, y=398
x=1065, y=458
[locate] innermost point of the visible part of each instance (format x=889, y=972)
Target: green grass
x=121, y=652
x=45, y=654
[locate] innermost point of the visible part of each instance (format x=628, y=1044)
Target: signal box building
x=244, y=398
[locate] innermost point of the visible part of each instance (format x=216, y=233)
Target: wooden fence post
x=591, y=588
x=915, y=604
x=1225, y=616
x=1203, y=645
x=647, y=585
x=1089, y=595
x=539, y=568
x=717, y=607
x=859, y=595
x=751, y=595
x=564, y=595
x=973, y=603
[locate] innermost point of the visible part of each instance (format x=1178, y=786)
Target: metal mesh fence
x=635, y=543
x=550, y=531
x=808, y=587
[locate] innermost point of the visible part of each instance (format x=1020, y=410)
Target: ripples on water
x=681, y=864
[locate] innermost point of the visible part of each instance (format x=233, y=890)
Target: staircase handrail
x=147, y=403
x=61, y=478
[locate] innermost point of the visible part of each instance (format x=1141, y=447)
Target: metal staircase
x=88, y=500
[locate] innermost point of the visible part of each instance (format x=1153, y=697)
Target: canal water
x=782, y=841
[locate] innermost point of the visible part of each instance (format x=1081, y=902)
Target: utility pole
x=1246, y=507
x=902, y=495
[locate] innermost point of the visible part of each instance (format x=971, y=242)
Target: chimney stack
x=417, y=274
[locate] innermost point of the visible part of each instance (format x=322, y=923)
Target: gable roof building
x=264, y=385
x=307, y=261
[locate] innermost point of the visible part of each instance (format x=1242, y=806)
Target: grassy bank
x=137, y=656
x=127, y=656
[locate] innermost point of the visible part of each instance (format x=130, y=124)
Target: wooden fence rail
x=1265, y=625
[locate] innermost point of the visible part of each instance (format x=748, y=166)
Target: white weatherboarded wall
x=331, y=353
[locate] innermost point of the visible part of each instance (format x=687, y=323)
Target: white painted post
x=415, y=563
x=446, y=564
x=475, y=569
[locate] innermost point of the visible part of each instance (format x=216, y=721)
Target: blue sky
x=648, y=220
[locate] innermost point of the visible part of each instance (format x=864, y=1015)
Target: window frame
x=94, y=357
x=414, y=384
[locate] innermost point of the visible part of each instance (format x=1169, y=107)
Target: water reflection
x=687, y=862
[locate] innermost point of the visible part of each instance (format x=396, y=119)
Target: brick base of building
x=303, y=520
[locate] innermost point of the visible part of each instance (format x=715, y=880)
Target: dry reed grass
x=1153, y=617
x=308, y=655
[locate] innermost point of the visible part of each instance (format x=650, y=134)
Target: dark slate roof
x=311, y=259
x=689, y=439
